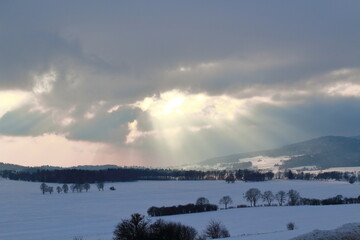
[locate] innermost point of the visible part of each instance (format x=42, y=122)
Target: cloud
x=44, y=83
x=344, y=89
x=226, y=78
x=22, y=122
x=183, y=105
x=134, y=132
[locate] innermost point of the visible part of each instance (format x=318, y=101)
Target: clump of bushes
x=216, y=229
x=140, y=228
x=180, y=209
x=242, y=206
x=78, y=238
x=290, y=226
x=339, y=199
x=172, y=231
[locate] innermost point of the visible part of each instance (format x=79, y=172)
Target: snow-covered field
x=27, y=214
x=265, y=162
x=340, y=169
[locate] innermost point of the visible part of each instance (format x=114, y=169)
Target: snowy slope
x=347, y=231
x=321, y=153
x=27, y=214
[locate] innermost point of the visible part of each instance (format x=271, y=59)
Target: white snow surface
x=27, y=214
x=347, y=231
x=265, y=162
x=342, y=169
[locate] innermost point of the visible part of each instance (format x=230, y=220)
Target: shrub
x=216, y=229
x=202, y=201
x=78, y=238
x=135, y=228
x=138, y=228
x=333, y=201
x=181, y=209
x=352, y=179
x=310, y=201
x=242, y=206
x=290, y=226
x=161, y=230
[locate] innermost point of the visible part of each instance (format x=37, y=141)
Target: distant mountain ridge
x=15, y=167
x=11, y=167
x=323, y=152
x=320, y=153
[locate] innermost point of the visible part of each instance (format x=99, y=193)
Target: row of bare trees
x=254, y=195
x=289, y=198
x=76, y=187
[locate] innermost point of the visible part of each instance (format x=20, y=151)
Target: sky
x=165, y=83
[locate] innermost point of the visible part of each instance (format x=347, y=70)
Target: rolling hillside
x=322, y=153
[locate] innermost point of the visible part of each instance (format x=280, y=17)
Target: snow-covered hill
x=347, y=231
x=26, y=214
x=318, y=153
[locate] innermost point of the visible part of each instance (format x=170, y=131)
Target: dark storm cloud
x=320, y=117
x=148, y=39
x=111, y=127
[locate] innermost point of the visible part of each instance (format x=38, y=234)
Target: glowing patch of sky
x=57, y=150
x=10, y=100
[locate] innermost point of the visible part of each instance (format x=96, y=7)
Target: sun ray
x=190, y=125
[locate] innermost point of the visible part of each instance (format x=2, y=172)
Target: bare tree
x=73, y=187
x=100, y=186
x=226, y=200
x=86, y=186
x=230, y=178
x=352, y=179
x=268, y=197
x=216, y=230
x=58, y=189
x=43, y=188
x=202, y=201
x=252, y=195
x=294, y=197
x=65, y=188
x=79, y=187
x=281, y=197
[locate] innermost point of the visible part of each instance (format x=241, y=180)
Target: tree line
x=110, y=175
x=253, y=196
x=133, y=174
